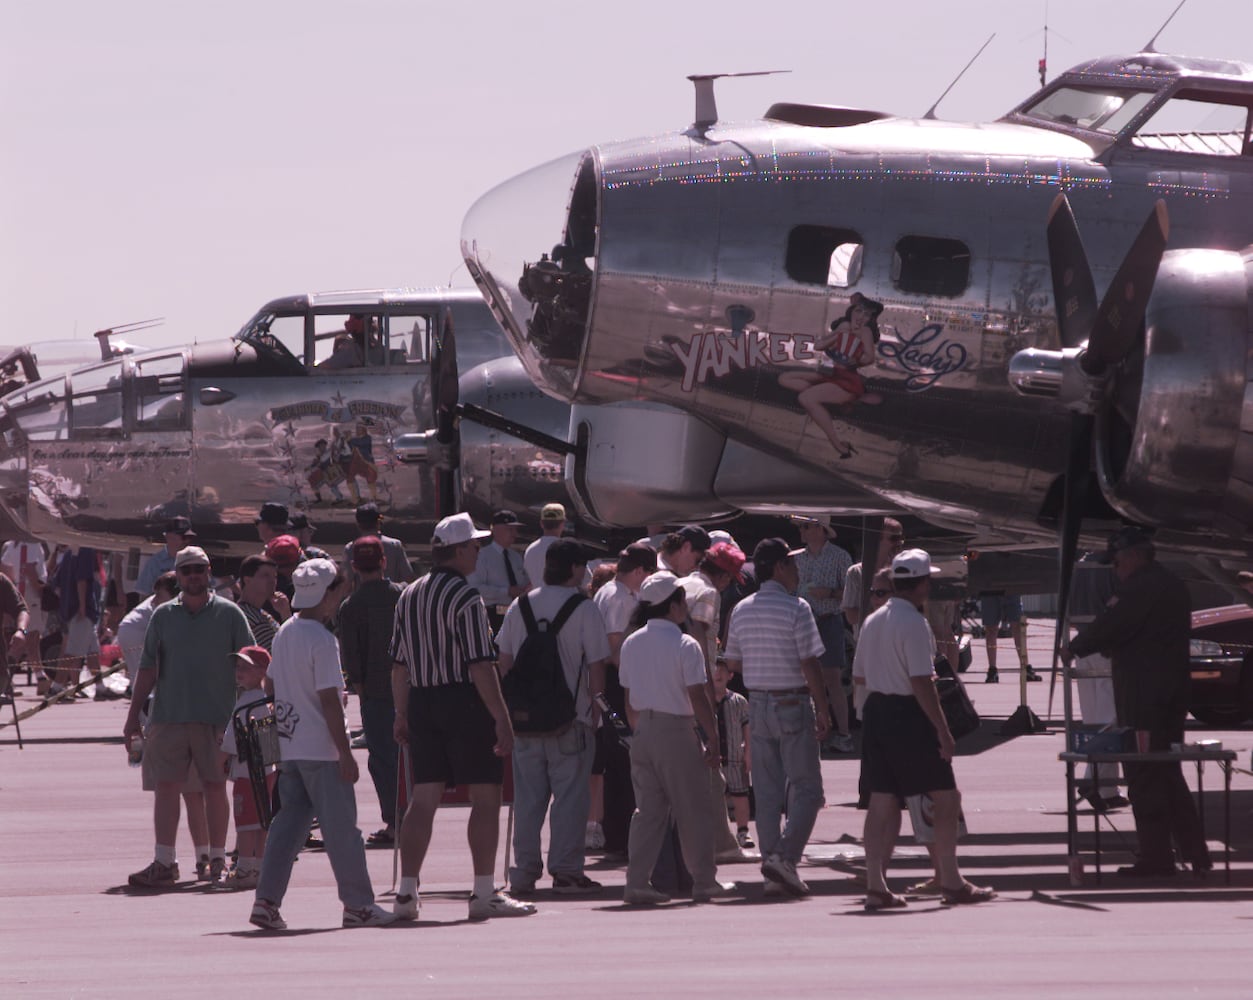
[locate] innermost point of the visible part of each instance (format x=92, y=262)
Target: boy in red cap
x=251, y=664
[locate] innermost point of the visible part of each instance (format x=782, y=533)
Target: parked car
x=1221, y=653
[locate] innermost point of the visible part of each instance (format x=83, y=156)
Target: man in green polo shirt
x=187, y=661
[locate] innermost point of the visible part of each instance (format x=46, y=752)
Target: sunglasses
x=197, y=570
x=896, y=539
x=880, y=593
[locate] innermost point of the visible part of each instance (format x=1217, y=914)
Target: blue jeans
x=785, y=766
x=309, y=788
x=377, y=717
x=556, y=768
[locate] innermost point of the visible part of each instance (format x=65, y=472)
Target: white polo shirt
x=617, y=604
x=659, y=664
x=896, y=644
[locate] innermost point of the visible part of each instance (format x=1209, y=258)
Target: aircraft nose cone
x=530, y=245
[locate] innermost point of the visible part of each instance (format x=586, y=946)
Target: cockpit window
x=1099, y=109
x=40, y=411
x=160, y=399
x=96, y=401
x=283, y=336
x=1196, y=122
x=364, y=339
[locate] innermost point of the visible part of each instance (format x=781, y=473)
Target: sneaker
x=779, y=870
x=842, y=743
x=217, y=871
x=575, y=885
x=993, y=677
x=715, y=890
x=155, y=876
x=743, y=838
x=368, y=916
x=644, y=896
x=595, y=837
x=266, y=916
x=238, y=879
x=202, y=868
x=406, y=907
x=498, y=904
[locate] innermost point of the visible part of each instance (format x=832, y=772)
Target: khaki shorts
x=80, y=638
x=193, y=785
x=175, y=745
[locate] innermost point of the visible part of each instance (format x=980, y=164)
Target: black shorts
x=605, y=740
x=451, y=736
x=900, y=752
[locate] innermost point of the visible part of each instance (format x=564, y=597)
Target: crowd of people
x=726, y=677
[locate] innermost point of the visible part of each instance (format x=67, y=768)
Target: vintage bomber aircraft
x=848, y=311
x=103, y=455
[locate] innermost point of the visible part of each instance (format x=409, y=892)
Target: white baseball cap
x=311, y=579
x=456, y=529
x=913, y=563
x=658, y=587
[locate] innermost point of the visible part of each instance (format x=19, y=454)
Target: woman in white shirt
x=663, y=672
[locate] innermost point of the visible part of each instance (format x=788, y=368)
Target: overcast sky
x=192, y=161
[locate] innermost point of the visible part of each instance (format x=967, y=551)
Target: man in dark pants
x=1144, y=630
x=365, y=638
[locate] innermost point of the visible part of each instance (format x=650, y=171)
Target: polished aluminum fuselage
x=232, y=425
x=692, y=305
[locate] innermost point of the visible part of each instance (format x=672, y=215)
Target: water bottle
x=135, y=750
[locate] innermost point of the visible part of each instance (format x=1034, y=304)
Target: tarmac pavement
x=74, y=823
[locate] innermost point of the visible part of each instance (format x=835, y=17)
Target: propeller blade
x=445, y=394
x=1122, y=309
x=1078, y=477
x=1074, y=294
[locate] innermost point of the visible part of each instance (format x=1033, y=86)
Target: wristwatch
x=22, y=630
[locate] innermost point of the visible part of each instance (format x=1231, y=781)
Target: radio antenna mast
x=1044, y=59
x=930, y=115
x=1149, y=47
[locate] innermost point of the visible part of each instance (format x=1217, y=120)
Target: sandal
x=967, y=894
x=381, y=838
x=877, y=900
x=928, y=887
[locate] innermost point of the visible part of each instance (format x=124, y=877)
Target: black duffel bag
x=959, y=710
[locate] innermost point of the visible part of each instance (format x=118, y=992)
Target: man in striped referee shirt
x=451, y=713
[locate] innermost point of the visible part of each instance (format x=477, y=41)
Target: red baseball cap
x=284, y=550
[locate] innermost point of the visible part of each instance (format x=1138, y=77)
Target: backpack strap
x=528, y=615
x=567, y=609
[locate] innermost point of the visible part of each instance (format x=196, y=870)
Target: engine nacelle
x=1176, y=447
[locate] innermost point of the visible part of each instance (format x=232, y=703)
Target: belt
x=797, y=690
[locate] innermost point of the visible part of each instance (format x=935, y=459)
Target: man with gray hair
x=907, y=748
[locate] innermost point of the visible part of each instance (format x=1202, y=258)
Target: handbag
x=959, y=710
x=48, y=599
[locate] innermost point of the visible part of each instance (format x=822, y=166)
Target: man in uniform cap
x=1144, y=630
x=272, y=521
x=500, y=575
x=177, y=532
x=396, y=565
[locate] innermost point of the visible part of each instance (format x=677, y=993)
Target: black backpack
x=535, y=688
